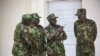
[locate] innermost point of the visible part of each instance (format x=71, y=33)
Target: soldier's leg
x=43, y=53
x=87, y=54
x=52, y=55
x=61, y=55
x=92, y=54
x=34, y=55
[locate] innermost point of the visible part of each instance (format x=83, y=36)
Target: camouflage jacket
x=35, y=38
x=20, y=47
x=54, y=45
x=85, y=32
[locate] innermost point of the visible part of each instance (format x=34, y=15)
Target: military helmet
x=81, y=10
x=52, y=16
x=27, y=17
x=35, y=16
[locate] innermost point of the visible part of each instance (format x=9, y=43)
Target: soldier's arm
x=95, y=30
x=48, y=35
x=46, y=32
x=17, y=32
x=64, y=36
x=60, y=29
x=75, y=30
x=52, y=35
x=26, y=35
x=44, y=40
x=28, y=40
x=17, y=35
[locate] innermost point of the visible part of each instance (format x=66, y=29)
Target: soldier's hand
x=60, y=29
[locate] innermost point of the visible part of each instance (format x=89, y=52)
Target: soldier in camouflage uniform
x=35, y=37
x=20, y=47
x=55, y=35
x=85, y=32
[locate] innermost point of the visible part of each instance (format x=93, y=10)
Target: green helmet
x=27, y=17
x=52, y=16
x=35, y=16
x=81, y=10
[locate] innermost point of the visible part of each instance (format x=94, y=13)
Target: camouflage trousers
x=82, y=50
x=57, y=55
x=39, y=53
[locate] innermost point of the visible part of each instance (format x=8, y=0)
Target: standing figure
x=55, y=35
x=20, y=47
x=85, y=31
x=35, y=37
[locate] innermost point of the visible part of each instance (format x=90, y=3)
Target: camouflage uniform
x=35, y=38
x=20, y=47
x=54, y=45
x=85, y=32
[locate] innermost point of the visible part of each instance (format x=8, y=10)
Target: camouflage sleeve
x=64, y=35
x=95, y=30
x=16, y=39
x=27, y=37
x=17, y=35
x=46, y=33
x=44, y=40
x=17, y=32
x=75, y=30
